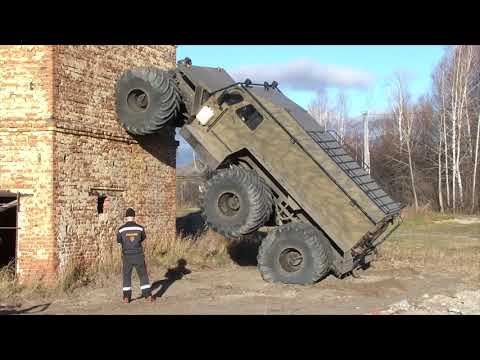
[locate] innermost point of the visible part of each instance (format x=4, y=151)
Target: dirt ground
x=387, y=287
x=241, y=290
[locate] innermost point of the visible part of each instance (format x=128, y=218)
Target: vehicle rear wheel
x=146, y=100
x=236, y=203
x=295, y=253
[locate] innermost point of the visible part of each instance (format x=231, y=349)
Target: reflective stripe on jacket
x=131, y=235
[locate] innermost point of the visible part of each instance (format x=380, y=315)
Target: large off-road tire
x=146, y=100
x=295, y=253
x=269, y=201
x=236, y=203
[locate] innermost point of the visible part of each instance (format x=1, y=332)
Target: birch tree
x=475, y=165
x=319, y=109
x=461, y=71
x=342, y=111
x=455, y=81
x=444, y=132
x=405, y=125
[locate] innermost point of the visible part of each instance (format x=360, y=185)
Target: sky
x=362, y=72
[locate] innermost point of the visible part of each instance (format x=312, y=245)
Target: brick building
x=73, y=167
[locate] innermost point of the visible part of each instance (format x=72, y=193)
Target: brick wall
x=26, y=151
x=90, y=153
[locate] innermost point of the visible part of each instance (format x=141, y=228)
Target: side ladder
x=330, y=142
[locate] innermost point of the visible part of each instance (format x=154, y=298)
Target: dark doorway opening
x=8, y=228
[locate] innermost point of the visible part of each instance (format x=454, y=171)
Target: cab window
x=250, y=116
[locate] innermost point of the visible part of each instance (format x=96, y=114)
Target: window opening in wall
x=250, y=116
x=8, y=229
x=100, y=203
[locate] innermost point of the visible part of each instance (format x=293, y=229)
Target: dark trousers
x=137, y=262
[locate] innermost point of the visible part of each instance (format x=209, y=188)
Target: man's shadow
x=172, y=275
x=11, y=310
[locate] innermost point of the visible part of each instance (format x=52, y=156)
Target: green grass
x=434, y=242
x=441, y=235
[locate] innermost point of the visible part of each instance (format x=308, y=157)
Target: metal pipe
x=238, y=83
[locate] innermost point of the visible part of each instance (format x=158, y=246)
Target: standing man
x=130, y=236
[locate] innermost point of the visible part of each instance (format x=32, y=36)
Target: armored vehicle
x=273, y=167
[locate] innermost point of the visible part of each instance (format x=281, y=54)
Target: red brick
x=73, y=90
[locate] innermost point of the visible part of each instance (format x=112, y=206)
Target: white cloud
x=307, y=75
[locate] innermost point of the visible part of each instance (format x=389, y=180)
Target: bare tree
x=405, y=124
x=455, y=79
x=444, y=132
x=461, y=68
x=319, y=109
x=399, y=102
x=440, y=194
x=475, y=165
x=366, y=143
x=342, y=111
x=424, y=150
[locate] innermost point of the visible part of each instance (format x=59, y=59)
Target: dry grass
x=424, y=215
x=424, y=243
x=206, y=248
x=420, y=243
x=203, y=249
x=8, y=285
x=10, y=288
x=430, y=258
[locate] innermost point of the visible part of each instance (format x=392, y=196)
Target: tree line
x=423, y=151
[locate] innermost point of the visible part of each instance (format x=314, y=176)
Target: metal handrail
x=344, y=146
x=339, y=140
